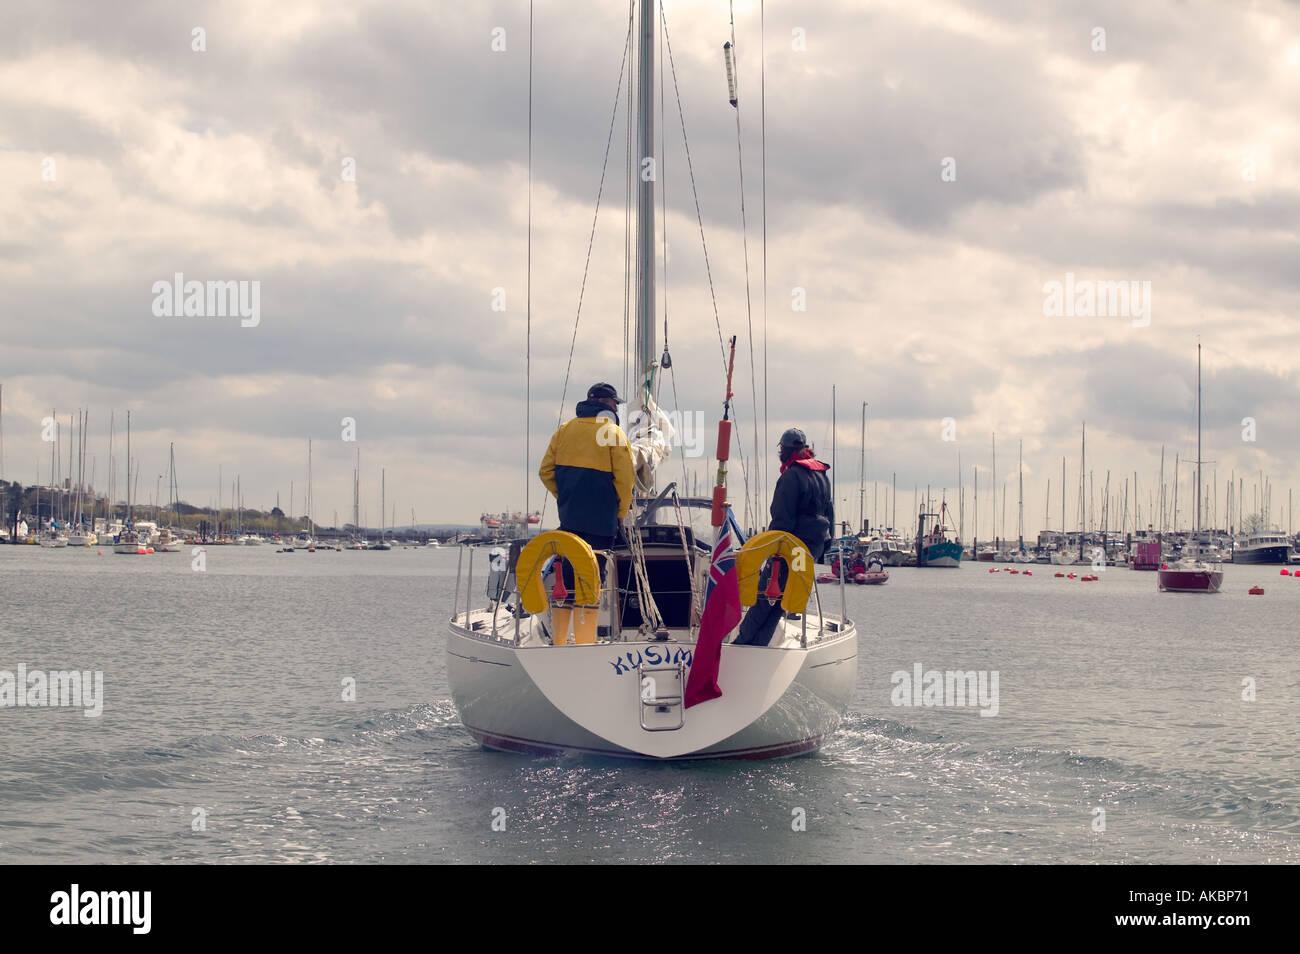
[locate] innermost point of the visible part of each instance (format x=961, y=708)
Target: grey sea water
x=223, y=692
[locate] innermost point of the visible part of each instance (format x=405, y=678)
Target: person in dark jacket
x=588, y=467
x=802, y=505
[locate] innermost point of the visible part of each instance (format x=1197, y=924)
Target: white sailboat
x=624, y=693
x=129, y=541
x=383, y=544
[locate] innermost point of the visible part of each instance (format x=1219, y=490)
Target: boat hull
x=1273, y=556
x=947, y=554
x=776, y=702
x=1189, y=581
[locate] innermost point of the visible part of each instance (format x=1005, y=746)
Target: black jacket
x=802, y=505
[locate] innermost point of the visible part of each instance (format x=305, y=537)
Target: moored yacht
x=1191, y=572
x=53, y=538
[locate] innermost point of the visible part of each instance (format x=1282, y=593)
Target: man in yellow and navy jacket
x=588, y=466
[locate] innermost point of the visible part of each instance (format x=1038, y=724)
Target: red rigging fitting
x=719, y=515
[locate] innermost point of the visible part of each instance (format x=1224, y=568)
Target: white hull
x=1063, y=558
x=540, y=699
x=129, y=546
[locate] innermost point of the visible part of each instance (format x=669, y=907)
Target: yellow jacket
x=588, y=466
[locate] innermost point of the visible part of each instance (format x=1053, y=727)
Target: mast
x=1020, y=469
x=1083, y=485
x=175, y=488
x=1162, y=488
x=862, y=468
x=645, y=208
x=1197, y=528
x=995, y=489
x=130, y=513
x=833, y=470
x=1175, y=524
x=975, y=531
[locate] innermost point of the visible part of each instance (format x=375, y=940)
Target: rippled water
x=223, y=692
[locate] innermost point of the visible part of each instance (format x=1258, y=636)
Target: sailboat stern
x=625, y=699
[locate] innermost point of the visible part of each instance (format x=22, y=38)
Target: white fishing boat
x=623, y=691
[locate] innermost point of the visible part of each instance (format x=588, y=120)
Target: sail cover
x=651, y=434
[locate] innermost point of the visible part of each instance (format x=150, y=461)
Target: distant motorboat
x=1266, y=547
x=129, y=542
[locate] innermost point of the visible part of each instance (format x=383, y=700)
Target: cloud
x=1163, y=158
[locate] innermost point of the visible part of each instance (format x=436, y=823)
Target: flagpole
x=702, y=682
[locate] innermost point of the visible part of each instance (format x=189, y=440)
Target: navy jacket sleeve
x=785, y=503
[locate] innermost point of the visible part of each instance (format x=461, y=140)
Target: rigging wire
x=744, y=236
x=708, y=271
x=629, y=163
x=663, y=198
x=591, y=240
x=528, y=292
x=762, y=98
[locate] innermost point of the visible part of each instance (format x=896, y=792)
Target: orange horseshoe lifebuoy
x=528, y=570
x=756, y=551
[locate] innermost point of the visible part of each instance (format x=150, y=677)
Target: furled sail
x=651, y=434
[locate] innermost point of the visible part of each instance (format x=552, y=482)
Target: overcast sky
x=1168, y=157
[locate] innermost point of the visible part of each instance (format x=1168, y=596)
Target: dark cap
x=794, y=439
x=601, y=391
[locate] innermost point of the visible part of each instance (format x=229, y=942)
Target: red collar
x=805, y=459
